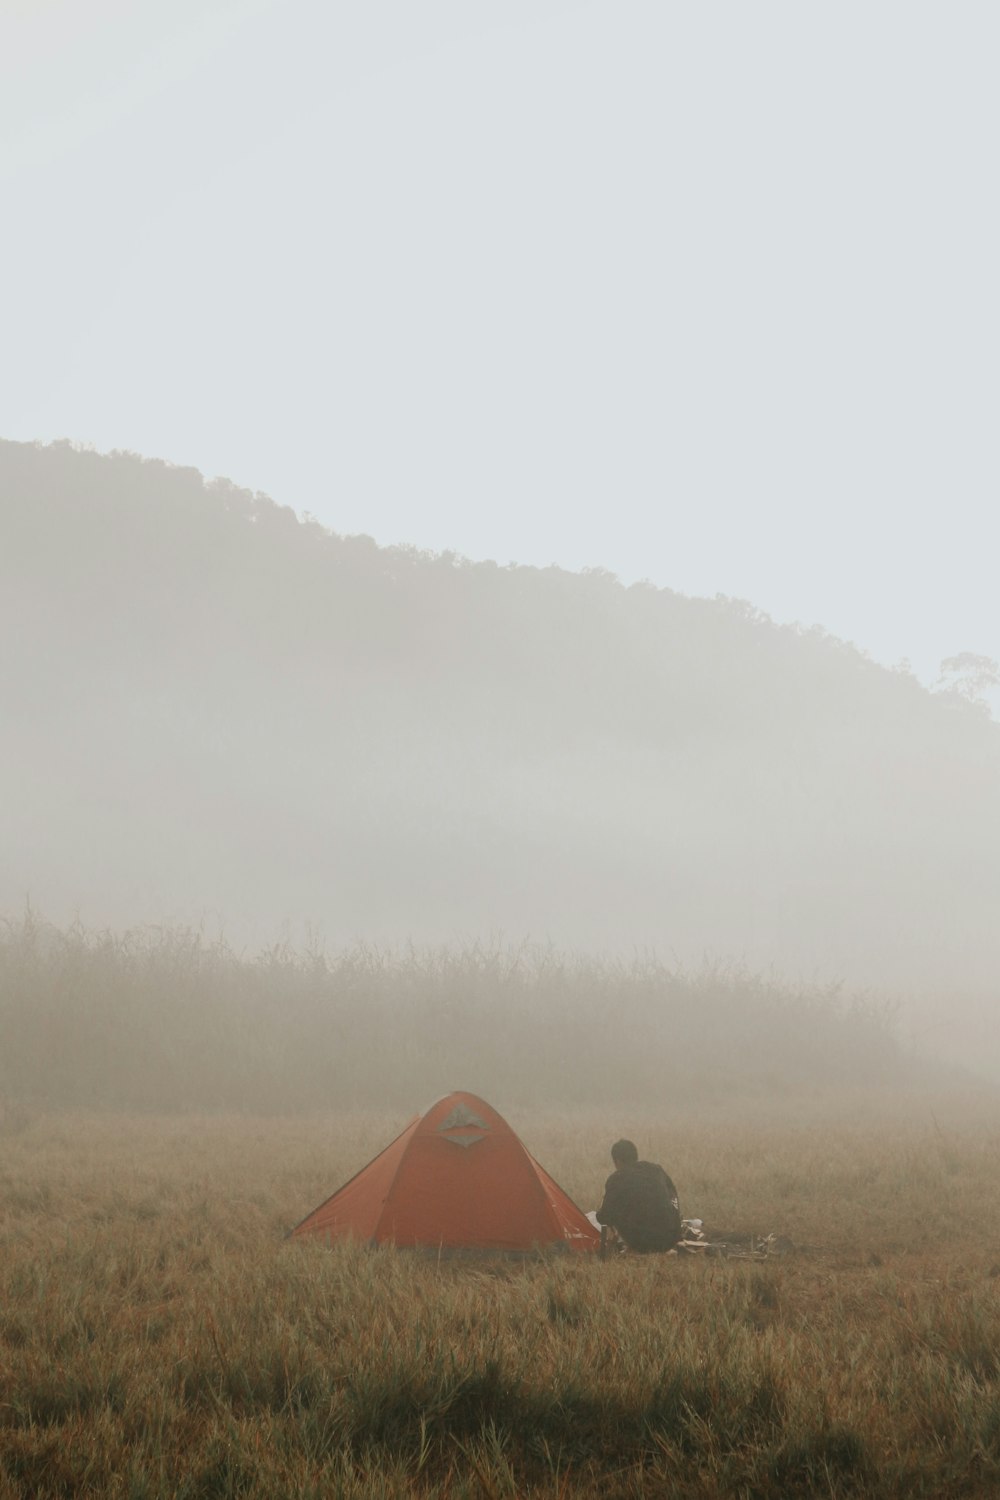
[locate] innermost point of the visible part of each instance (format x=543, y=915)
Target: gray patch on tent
x=466, y=1140
x=460, y=1115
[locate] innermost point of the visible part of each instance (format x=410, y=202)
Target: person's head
x=624, y=1154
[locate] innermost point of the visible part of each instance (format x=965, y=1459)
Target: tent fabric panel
x=577, y=1230
x=481, y=1196
x=353, y=1210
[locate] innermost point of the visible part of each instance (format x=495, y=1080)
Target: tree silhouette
x=969, y=675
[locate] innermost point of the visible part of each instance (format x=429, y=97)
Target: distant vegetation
x=162, y=1020
x=212, y=707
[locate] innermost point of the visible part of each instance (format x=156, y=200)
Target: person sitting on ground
x=640, y=1202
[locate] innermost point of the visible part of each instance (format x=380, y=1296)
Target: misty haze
x=221, y=716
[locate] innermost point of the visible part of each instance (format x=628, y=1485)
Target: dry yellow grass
x=160, y=1337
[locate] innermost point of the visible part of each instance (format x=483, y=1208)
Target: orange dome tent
x=457, y=1178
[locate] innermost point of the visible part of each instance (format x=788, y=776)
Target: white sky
x=700, y=292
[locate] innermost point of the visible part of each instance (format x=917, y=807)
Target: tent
x=457, y=1178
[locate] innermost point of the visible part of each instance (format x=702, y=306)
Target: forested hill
x=213, y=707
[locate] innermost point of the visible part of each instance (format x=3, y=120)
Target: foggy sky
x=700, y=293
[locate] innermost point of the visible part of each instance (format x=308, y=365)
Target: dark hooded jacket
x=640, y=1201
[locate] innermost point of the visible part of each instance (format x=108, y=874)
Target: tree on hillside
x=970, y=676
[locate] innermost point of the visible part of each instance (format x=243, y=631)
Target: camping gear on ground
x=732, y=1245
x=457, y=1179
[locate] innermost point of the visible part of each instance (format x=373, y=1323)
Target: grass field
x=160, y=1337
